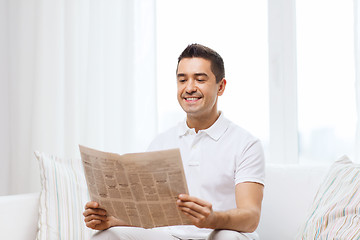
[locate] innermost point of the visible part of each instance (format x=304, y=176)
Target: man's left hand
x=199, y=211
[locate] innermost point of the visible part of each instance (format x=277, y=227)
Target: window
x=326, y=79
x=289, y=66
x=237, y=30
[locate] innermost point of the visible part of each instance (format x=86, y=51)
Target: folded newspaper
x=138, y=188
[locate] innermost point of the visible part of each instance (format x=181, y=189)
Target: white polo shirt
x=215, y=159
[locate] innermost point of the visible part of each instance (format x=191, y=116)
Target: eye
x=200, y=80
x=182, y=80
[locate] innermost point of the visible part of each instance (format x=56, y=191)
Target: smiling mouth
x=192, y=98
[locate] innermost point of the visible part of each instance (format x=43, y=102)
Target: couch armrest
x=289, y=192
x=19, y=216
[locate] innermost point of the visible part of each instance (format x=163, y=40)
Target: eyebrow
x=196, y=74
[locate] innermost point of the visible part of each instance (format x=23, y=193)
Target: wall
x=4, y=99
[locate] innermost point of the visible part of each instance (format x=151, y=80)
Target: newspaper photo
x=139, y=188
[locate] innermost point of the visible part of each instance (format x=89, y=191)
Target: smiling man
x=223, y=163
x=198, y=90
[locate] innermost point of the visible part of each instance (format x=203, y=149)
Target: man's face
x=197, y=87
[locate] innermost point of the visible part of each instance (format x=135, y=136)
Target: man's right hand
x=97, y=218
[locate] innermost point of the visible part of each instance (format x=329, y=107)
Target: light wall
x=4, y=98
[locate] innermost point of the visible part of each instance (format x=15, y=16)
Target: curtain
x=75, y=72
x=357, y=75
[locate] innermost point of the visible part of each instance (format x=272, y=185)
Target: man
x=223, y=164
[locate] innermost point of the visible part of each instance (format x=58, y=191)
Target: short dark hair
x=201, y=51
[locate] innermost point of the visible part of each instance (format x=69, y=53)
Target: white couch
x=289, y=192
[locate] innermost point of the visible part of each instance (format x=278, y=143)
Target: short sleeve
x=250, y=164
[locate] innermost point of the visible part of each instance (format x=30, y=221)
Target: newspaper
x=139, y=188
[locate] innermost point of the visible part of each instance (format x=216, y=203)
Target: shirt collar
x=215, y=131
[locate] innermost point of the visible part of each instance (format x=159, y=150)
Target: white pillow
x=62, y=199
x=335, y=211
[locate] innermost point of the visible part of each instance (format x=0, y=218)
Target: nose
x=190, y=86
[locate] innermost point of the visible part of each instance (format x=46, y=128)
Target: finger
x=188, y=198
x=188, y=204
x=92, y=224
x=95, y=211
x=95, y=217
x=194, y=206
x=197, y=221
x=91, y=205
x=191, y=212
x=195, y=209
x=191, y=217
x=198, y=212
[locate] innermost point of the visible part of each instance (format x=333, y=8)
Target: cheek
x=180, y=90
x=179, y=93
x=210, y=94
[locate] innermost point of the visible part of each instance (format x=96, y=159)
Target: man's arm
x=244, y=218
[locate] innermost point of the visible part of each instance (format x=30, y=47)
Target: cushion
x=334, y=213
x=62, y=199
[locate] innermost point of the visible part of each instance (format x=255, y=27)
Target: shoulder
x=164, y=140
x=240, y=135
x=244, y=143
x=250, y=158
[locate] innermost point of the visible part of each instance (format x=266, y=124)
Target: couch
x=289, y=192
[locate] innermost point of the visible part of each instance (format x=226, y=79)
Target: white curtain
x=73, y=72
x=357, y=75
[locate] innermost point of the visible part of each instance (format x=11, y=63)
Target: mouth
x=192, y=99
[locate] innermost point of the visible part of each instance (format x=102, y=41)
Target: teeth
x=192, y=99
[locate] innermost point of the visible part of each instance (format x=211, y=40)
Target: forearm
x=242, y=220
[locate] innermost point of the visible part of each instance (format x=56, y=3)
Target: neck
x=202, y=122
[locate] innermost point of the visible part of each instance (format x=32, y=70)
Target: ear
x=221, y=87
